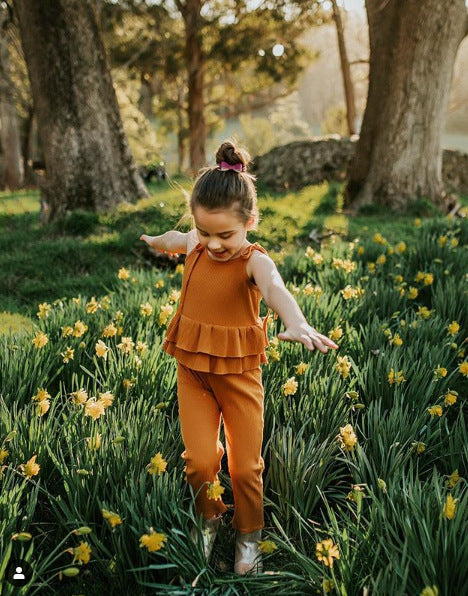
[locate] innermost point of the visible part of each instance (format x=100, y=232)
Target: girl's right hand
x=149, y=242
x=146, y=239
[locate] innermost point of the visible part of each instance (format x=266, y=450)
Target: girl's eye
x=226, y=237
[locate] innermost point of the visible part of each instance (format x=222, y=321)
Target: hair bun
x=228, y=152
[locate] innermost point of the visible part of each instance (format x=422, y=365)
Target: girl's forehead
x=216, y=221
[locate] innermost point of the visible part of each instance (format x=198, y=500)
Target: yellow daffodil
x=214, y=490
x=128, y=383
x=343, y=366
x=440, y=372
x=79, y=397
x=92, y=306
x=453, y=328
x=378, y=238
x=450, y=507
x=301, y=368
x=430, y=591
x=453, y=479
x=109, y=330
x=42, y=407
x=40, y=340
x=419, y=447
x=428, y=279
x=412, y=293
x=153, y=541
x=397, y=341
x=30, y=468
x=106, y=398
x=347, y=437
x=113, y=518
x=165, y=312
x=326, y=552
x=400, y=247
x=157, y=464
x=463, y=368
x=336, y=333
x=450, y=397
x=67, y=355
x=123, y=274
x=174, y=296
x=81, y=553
x=424, y=312
x=141, y=347
x=105, y=302
x=79, y=329
x=290, y=387
x=454, y=242
x=146, y=310
x=266, y=546
x=44, y=310
x=396, y=377
x=101, y=349
x=180, y=268
x=159, y=283
x=3, y=454
x=126, y=345
x=41, y=395
x=435, y=411
x=381, y=260
x=94, y=409
x=67, y=331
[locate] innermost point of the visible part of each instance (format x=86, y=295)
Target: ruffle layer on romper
x=215, y=348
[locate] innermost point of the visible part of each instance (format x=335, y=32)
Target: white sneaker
x=248, y=555
x=209, y=532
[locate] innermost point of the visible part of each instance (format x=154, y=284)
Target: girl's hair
x=217, y=188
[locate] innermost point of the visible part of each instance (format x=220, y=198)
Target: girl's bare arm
x=270, y=283
x=172, y=241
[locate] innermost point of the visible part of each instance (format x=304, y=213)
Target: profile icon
x=19, y=572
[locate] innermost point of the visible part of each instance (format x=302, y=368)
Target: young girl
x=219, y=342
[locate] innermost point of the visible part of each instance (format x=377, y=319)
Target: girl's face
x=221, y=232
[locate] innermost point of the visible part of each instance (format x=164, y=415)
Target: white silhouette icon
x=19, y=573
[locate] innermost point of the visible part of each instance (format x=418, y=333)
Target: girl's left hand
x=308, y=336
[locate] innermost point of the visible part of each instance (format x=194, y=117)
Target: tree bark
x=13, y=173
x=412, y=52
x=345, y=71
x=87, y=158
x=195, y=61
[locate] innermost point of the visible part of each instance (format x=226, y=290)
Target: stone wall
x=301, y=163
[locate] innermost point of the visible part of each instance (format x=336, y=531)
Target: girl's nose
x=214, y=244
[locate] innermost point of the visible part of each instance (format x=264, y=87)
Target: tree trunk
x=412, y=51
x=87, y=158
x=345, y=71
x=13, y=173
x=195, y=67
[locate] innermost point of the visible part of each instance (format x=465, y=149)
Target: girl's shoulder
x=192, y=240
x=257, y=259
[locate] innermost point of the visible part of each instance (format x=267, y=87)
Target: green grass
x=392, y=535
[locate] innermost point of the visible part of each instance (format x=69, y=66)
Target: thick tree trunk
x=345, y=71
x=13, y=173
x=87, y=158
x=195, y=67
x=412, y=51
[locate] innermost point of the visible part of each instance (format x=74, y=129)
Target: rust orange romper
x=219, y=341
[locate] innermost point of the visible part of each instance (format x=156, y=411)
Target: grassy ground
x=45, y=263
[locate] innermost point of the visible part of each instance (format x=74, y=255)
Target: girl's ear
x=251, y=223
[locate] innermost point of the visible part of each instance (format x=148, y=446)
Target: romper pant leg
x=200, y=417
x=241, y=398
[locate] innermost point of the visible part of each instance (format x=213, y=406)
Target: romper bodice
x=217, y=327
